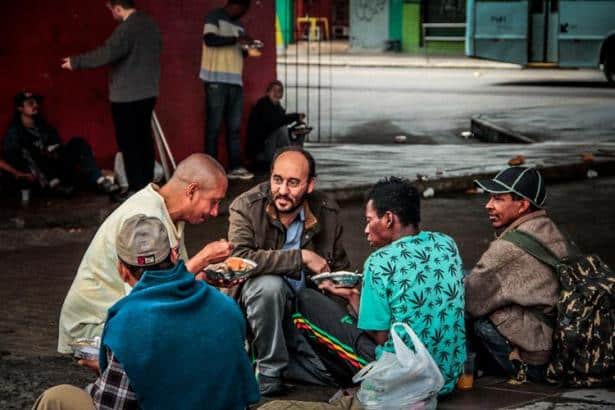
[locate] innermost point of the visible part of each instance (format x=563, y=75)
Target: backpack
x=583, y=353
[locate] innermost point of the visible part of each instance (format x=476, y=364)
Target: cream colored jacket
x=97, y=285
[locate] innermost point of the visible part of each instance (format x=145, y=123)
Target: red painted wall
x=35, y=37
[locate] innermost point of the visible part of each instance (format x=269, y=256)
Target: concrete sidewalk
x=568, y=123
x=347, y=171
x=336, y=54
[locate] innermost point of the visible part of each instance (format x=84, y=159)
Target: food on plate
x=86, y=348
x=231, y=269
x=237, y=264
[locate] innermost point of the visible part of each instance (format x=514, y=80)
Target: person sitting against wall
x=33, y=147
x=268, y=126
x=11, y=178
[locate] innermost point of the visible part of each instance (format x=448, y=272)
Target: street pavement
x=338, y=54
x=38, y=267
x=433, y=106
x=360, y=110
x=346, y=167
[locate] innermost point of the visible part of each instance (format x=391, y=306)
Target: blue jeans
x=499, y=349
x=75, y=155
x=223, y=101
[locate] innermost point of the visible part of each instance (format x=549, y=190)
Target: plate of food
x=86, y=348
x=341, y=278
x=301, y=129
x=231, y=269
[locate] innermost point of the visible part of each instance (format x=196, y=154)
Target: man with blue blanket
x=173, y=342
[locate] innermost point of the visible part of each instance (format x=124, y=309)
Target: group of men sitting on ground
x=155, y=311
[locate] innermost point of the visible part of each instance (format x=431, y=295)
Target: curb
x=456, y=185
x=446, y=185
x=392, y=64
x=486, y=131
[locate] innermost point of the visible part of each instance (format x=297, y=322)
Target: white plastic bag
x=405, y=379
x=120, y=172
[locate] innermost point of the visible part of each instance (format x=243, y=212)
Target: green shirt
x=418, y=280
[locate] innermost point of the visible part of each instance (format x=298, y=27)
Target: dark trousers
x=333, y=334
x=223, y=101
x=133, y=132
x=77, y=154
x=499, y=349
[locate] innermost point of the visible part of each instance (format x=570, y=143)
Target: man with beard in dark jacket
x=291, y=231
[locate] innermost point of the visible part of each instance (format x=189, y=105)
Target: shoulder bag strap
x=532, y=245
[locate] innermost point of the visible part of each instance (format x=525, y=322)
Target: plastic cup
x=254, y=52
x=466, y=380
x=25, y=196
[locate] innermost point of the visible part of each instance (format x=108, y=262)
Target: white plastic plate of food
x=231, y=269
x=86, y=348
x=341, y=278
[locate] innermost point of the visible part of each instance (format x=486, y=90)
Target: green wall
x=411, y=27
x=411, y=34
x=395, y=19
x=284, y=14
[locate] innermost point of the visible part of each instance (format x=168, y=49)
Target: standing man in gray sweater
x=133, y=53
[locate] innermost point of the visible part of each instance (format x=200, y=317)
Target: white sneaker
x=240, y=173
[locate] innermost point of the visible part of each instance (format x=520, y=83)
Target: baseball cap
x=24, y=95
x=143, y=241
x=523, y=181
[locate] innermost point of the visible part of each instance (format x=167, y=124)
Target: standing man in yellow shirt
x=221, y=68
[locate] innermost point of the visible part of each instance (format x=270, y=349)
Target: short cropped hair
x=295, y=148
x=126, y=4
x=273, y=84
x=516, y=197
x=398, y=196
x=137, y=271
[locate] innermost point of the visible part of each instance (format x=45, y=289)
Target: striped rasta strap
x=342, y=350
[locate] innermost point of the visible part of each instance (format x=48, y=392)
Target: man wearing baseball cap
x=509, y=293
x=173, y=342
x=32, y=146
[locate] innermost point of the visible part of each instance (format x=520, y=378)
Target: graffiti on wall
x=366, y=10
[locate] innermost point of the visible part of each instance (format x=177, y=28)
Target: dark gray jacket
x=133, y=52
x=257, y=233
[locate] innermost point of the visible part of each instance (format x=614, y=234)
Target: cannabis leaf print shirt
x=418, y=280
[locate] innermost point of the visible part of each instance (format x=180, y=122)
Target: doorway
x=543, y=23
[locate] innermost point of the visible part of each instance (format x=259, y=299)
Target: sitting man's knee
x=78, y=143
x=265, y=286
x=64, y=397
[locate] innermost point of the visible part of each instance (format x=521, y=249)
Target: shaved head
x=201, y=169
